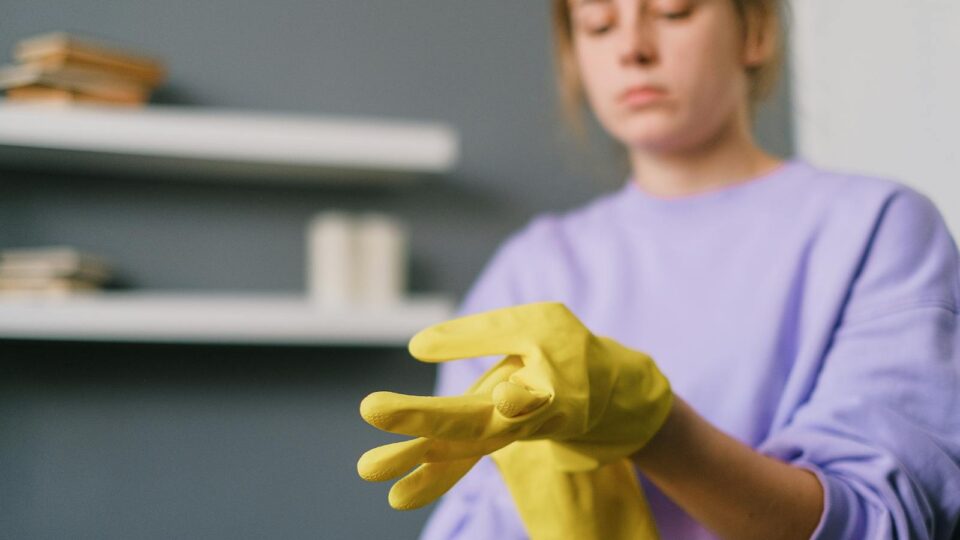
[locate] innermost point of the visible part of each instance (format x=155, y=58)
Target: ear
x=760, y=37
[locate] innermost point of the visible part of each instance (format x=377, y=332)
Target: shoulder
x=868, y=195
x=896, y=213
x=869, y=211
x=907, y=255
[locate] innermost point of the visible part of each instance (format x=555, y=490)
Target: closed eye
x=595, y=17
x=676, y=15
x=600, y=29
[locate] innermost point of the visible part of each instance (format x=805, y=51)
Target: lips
x=641, y=95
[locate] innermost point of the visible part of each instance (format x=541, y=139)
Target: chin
x=652, y=136
x=650, y=123
x=659, y=129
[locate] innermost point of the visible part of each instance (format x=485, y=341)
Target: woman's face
x=690, y=53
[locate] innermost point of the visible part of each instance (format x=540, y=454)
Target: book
x=41, y=270
x=36, y=93
x=36, y=284
x=53, y=263
x=89, y=82
x=57, y=287
x=58, y=50
x=53, y=63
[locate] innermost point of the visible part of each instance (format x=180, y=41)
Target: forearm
x=727, y=486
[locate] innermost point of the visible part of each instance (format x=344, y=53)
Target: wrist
x=726, y=485
x=668, y=440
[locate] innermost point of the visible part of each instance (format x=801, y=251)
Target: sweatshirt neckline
x=637, y=202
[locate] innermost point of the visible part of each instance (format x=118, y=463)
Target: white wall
x=877, y=90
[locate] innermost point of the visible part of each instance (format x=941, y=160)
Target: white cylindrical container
x=331, y=259
x=381, y=259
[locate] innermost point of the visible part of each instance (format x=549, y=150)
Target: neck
x=731, y=156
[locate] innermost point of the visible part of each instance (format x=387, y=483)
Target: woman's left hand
x=597, y=400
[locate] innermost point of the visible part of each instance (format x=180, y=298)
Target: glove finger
x=513, y=399
x=449, y=417
x=512, y=330
x=391, y=460
x=427, y=483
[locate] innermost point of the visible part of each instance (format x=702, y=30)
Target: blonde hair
x=762, y=78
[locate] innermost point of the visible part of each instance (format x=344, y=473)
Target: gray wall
x=149, y=441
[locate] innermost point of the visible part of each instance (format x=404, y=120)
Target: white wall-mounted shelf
x=181, y=141
x=216, y=319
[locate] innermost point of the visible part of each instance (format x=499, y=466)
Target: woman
x=806, y=320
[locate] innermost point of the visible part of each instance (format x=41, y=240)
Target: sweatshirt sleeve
x=881, y=428
x=479, y=505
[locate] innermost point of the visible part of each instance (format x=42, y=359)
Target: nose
x=638, y=45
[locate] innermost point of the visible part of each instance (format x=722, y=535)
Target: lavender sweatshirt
x=809, y=314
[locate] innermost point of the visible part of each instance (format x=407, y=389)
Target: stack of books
x=51, y=271
x=63, y=68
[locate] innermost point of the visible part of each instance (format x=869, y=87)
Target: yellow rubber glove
x=597, y=400
x=603, y=504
